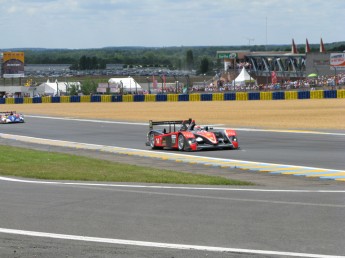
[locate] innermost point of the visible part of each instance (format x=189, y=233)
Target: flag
x=154, y=82
x=274, y=78
x=293, y=48
x=307, y=47
x=322, y=47
x=164, y=81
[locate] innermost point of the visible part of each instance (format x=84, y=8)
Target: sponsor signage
x=337, y=61
x=13, y=64
x=227, y=55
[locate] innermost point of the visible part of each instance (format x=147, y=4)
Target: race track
x=291, y=148
x=78, y=219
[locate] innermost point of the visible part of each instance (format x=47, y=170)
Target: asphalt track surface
x=177, y=221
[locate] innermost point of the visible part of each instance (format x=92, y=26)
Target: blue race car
x=10, y=117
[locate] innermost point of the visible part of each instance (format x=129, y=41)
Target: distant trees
x=189, y=60
x=88, y=63
x=204, y=65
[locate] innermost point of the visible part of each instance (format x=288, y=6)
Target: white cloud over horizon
x=80, y=24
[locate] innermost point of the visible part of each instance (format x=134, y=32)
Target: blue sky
x=80, y=24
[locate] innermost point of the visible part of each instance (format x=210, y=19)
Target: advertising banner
x=337, y=61
x=13, y=64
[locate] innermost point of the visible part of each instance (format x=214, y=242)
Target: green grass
x=28, y=163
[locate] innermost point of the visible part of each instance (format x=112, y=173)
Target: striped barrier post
x=55, y=99
x=254, y=96
x=64, y=99
x=96, y=98
x=183, y=97
x=230, y=96
x=27, y=100
x=241, y=96
x=330, y=94
x=9, y=100
x=161, y=97
x=316, y=94
x=75, y=99
x=139, y=98
x=127, y=98
x=291, y=95
x=85, y=98
x=266, y=95
x=278, y=95
x=46, y=99
x=173, y=97
x=105, y=98
x=304, y=95
x=150, y=98
x=206, y=97
x=18, y=100
x=218, y=97
x=116, y=98
x=194, y=97
x=341, y=94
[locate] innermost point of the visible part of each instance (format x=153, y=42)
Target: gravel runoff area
x=315, y=114
x=322, y=115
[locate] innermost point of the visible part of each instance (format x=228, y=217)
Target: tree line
x=199, y=58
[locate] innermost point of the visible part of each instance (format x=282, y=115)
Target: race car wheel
x=152, y=142
x=181, y=142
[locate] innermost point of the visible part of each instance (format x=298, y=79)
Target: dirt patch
x=277, y=114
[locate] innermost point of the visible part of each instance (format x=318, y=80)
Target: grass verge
x=28, y=163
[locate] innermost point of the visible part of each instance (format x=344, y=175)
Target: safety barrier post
x=172, y=97
x=341, y=94
x=218, y=97
x=127, y=98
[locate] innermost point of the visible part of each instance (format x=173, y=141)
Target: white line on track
x=216, y=125
x=9, y=179
x=160, y=245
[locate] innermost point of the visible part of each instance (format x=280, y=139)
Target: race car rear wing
x=170, y=123
x=8, y=112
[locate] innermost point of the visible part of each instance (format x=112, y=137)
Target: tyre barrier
x=161, y=97
x=206, y=97
x=254, y=96
x=228, y=96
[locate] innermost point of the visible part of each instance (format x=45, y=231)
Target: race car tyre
x=152, y=142
x=181, y=142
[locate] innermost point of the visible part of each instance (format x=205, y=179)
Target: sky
x=83, y=24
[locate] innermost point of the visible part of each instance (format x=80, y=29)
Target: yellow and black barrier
x=227, y=96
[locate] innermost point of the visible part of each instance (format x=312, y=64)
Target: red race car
x=185, y=135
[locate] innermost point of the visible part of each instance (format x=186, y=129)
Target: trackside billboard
x=337, y=61
x=13, y=64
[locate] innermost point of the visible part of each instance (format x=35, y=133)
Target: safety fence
x=281, y=95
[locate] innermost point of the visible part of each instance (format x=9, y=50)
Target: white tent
x=55, y=88
x=128, y=84
x=243, y=78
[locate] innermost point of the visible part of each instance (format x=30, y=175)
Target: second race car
x=10, y=117
x=185, y=135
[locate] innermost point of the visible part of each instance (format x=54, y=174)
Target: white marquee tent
x=244, y=78
x=127, y=83
x=55, y=88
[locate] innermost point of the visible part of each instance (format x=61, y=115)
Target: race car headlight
x=191, y=141
x=199, y=139
x=234, y=139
